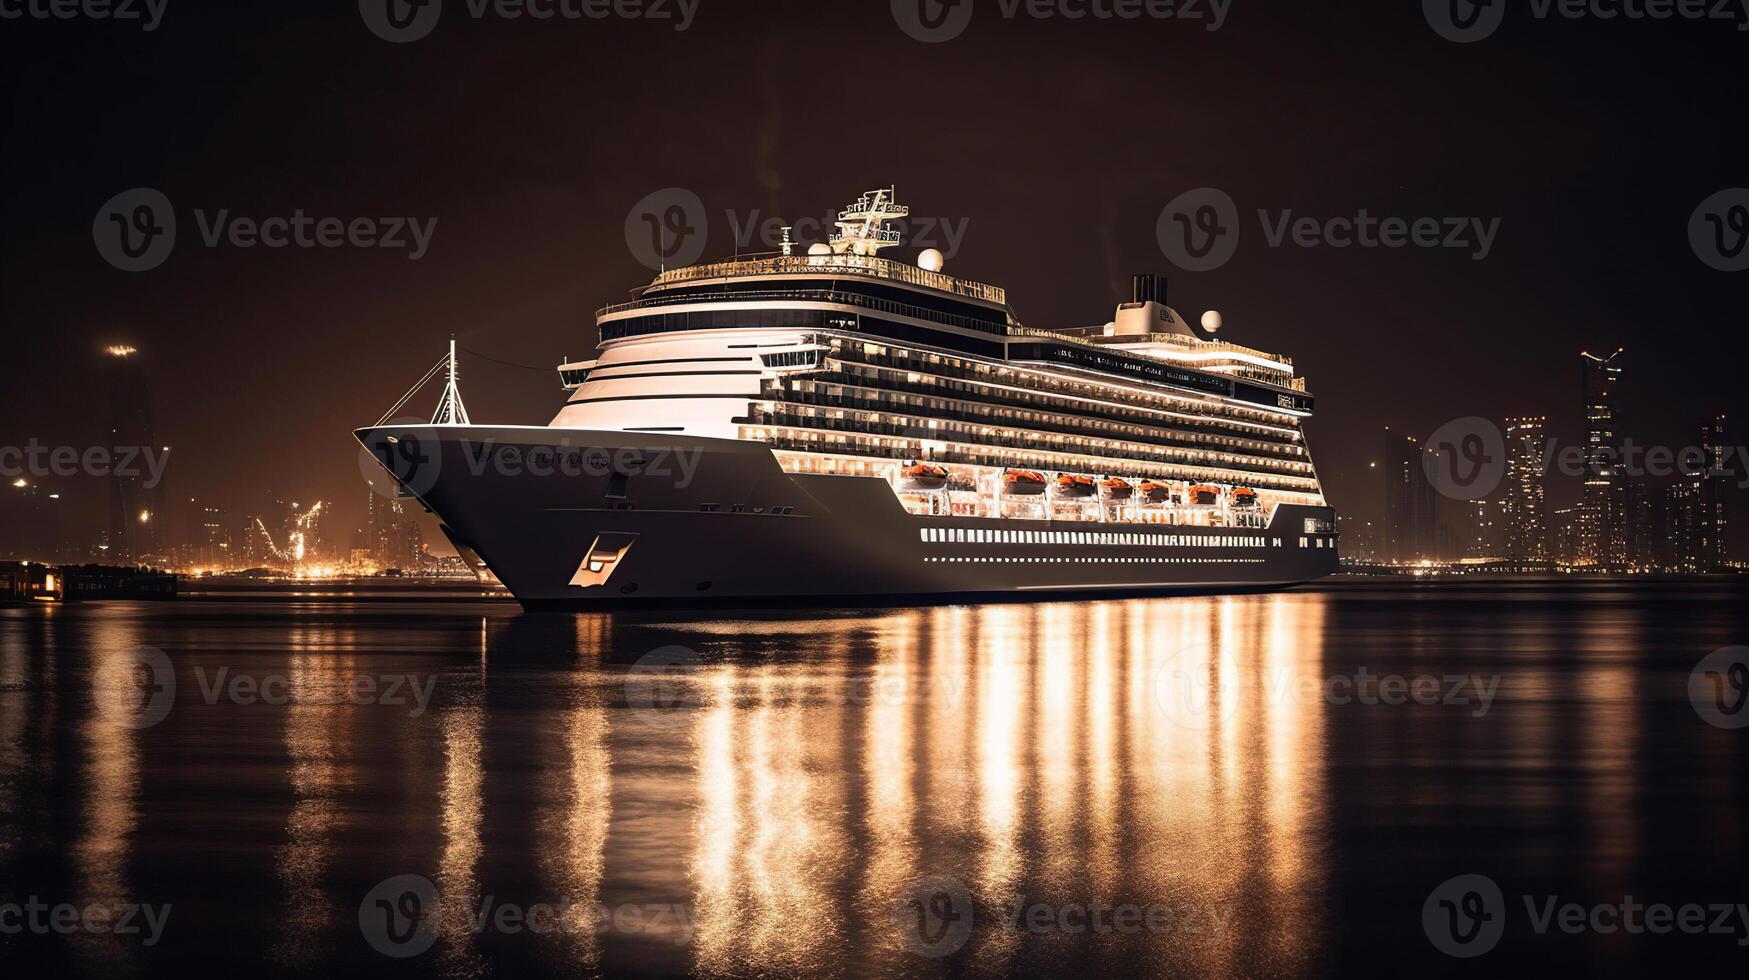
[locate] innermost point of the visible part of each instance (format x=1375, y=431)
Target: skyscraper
x=1642, y=508
x=1566, y=536
x=135, y=512
x=1525, y=506
x=1484, y=531
x=1680, y=551
x=1602, y=511
x=1411, y=525
x=213, y=548
x=392, y=535
x=1714, y=490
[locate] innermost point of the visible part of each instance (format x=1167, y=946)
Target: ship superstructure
x=910, y=438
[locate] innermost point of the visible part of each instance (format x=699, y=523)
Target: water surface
x=1177, y=786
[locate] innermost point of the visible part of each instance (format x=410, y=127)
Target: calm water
x=1183, y=786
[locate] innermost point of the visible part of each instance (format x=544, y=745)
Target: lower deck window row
x=983, y=535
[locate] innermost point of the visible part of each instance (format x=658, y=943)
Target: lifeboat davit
x=1203, y=495
x=1024, y=483
x=1244, y=497
x=1076, y=486
x=1155, y=492
x=1116, y=488
x=922, y=476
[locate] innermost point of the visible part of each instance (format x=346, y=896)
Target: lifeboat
x=1024, y=483
x=922, y=476
x=1076, y=486
x=1155, y=492
x=1203, y=495
x=1116, y=488
x=1244, y=497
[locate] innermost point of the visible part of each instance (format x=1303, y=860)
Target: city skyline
x=1631, y=512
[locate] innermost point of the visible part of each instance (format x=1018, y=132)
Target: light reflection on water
x=776, y=817
x=110, y=783
x=1058, y=773
x=317, y=739
x=577, y=818
x=457, y=883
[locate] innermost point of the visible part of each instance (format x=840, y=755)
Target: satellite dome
x=1211, y=321
x=819, y=248
x=931, y=260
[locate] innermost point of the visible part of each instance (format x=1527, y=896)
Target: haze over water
x=957, y=790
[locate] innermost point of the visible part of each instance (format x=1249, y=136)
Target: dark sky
x=1059, y=142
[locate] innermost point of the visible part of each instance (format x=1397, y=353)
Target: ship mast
x=862, y=227
x=450, y=410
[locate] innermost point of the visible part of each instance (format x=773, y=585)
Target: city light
x=120, y=350
x=21, y=482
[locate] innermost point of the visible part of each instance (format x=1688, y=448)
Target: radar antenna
x=862, y=227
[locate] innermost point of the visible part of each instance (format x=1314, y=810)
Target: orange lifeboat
x=1024, y=483
x=1203, y=495
x=1156, y=492
x=922, y=476
x=1076, y=486
x=1244, y=497
x=1116, y=488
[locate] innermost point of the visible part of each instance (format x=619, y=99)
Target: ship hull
x=588, y=519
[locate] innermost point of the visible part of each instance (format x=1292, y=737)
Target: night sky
x=1057, y=141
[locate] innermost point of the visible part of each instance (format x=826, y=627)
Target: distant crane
x=302, y=529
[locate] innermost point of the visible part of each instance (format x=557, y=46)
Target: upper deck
x=844, y=286
x=772, y=264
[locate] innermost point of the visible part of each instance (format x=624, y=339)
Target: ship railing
x=812, y=295
x=884, y=236
x=1193, y=343
x=1082, y=335
x=777, y=265
x=1295, y=383
x=1250, y=374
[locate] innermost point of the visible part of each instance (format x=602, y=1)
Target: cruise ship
x=828, y=425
